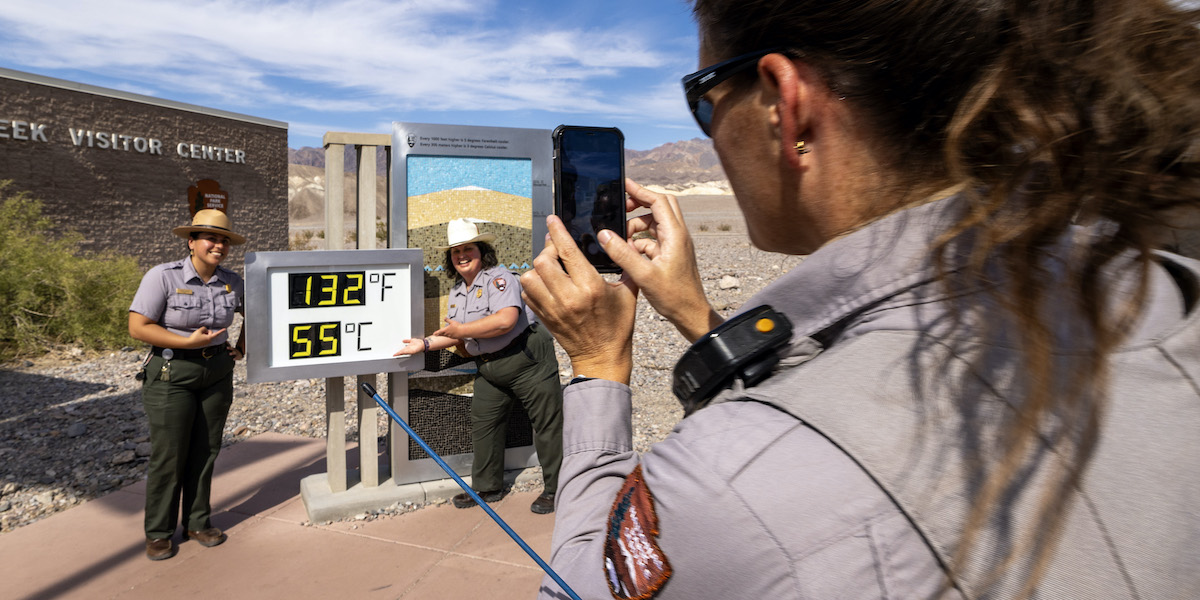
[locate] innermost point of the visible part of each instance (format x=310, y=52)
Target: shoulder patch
x=500, y=283
x=635, y=566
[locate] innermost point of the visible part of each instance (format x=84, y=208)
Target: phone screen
x=589, y=187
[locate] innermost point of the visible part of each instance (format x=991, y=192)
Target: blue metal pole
x=370, y=391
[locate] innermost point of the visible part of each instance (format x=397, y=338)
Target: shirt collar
x=861, y=269
x=190, y=274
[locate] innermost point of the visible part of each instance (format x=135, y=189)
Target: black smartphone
x=589, y=187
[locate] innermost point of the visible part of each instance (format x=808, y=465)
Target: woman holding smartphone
x=514, y=358
x=991, y=385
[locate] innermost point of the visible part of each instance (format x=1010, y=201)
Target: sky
x=359, y=65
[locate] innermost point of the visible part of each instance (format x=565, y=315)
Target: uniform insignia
x=479, y=293
x=184, y=291
x=635, y=566
x=500, y=283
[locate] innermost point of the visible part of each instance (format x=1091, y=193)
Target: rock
x=123, y=457
x=729, y=282
x=240, y=431
x=76, y=429
x=5, y=505
x=142, y=449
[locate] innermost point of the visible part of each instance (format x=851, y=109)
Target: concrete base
x=323, y=505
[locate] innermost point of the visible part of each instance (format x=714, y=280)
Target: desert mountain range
x=688, y=167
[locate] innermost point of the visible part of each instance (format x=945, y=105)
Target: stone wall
x=116, y=167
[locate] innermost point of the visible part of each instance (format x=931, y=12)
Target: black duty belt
x=513, y=347
x=192, y=353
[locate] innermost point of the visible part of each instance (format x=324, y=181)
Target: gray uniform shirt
x=173, y=295
x=841, y=476
x=493, y=289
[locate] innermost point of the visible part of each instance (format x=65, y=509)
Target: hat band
x=213, y=227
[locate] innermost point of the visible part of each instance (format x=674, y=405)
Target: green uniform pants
x=530, y=376
x=187, y=419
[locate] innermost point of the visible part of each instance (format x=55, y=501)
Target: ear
x=792, y=85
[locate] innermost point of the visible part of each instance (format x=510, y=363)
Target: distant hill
x=682, y=167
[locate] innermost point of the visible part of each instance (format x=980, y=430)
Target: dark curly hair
x=487, y=257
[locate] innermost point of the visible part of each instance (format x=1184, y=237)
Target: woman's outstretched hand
x=411, y=347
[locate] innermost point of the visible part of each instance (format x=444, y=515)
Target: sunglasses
x=696, y=85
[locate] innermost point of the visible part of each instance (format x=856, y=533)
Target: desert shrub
x=52, y=293
x=704, y=227
x=302, y=240
x=725, y=227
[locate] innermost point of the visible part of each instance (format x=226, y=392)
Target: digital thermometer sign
x=331, y=313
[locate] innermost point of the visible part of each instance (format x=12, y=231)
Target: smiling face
x=467, y=260
x=208, y=250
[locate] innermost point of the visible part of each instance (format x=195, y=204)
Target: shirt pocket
x=224, y=305
x=184, y=311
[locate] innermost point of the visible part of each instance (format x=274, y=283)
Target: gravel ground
x=72, y=426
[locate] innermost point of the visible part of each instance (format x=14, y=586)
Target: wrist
x=426, y=342
x=699, y=323
x=618, y=371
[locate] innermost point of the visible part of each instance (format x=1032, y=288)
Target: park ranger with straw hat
x=182, y=309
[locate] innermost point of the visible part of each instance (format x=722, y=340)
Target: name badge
x=184, y=291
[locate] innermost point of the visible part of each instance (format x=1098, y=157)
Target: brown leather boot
x=208, y=538
x=464, y=500
x=544, y=504
x=159, y=549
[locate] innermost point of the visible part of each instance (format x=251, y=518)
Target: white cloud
x=347, y=55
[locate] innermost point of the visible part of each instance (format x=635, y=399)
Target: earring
x=800, y=149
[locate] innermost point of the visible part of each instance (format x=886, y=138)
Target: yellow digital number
x=331, y=340
x=346, y=299
x=308, y=291
x=332, y=289
x=297, y=340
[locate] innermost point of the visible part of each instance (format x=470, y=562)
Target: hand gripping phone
x=589, y=187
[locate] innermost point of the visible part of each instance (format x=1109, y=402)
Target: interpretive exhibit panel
x=502, y=178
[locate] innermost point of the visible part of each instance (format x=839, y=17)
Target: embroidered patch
x=636, y=567
x=500, y=283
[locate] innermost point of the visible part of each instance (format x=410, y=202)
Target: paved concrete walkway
x=97, y=550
